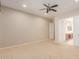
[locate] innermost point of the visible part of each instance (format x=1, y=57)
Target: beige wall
x=17, y=27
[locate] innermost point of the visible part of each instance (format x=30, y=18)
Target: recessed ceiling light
x=24, y=5
x=76, y=0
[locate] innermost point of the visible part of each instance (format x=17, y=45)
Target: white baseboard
x=20, y=45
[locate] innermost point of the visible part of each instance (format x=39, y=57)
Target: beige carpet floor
x=42, y=50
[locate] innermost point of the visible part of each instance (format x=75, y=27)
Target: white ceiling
x=33, y=6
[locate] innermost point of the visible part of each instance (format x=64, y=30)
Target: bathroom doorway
x=69, y=31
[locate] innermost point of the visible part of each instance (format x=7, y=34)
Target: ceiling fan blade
x=54, y=10
x=47, y=11
x=45, y=5
x=54, y=6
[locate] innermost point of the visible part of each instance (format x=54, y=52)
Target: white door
x=51, y=30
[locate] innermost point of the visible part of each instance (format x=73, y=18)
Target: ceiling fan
x=49, y=8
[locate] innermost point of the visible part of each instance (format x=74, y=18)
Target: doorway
x=51, y=30
x=69, y=31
